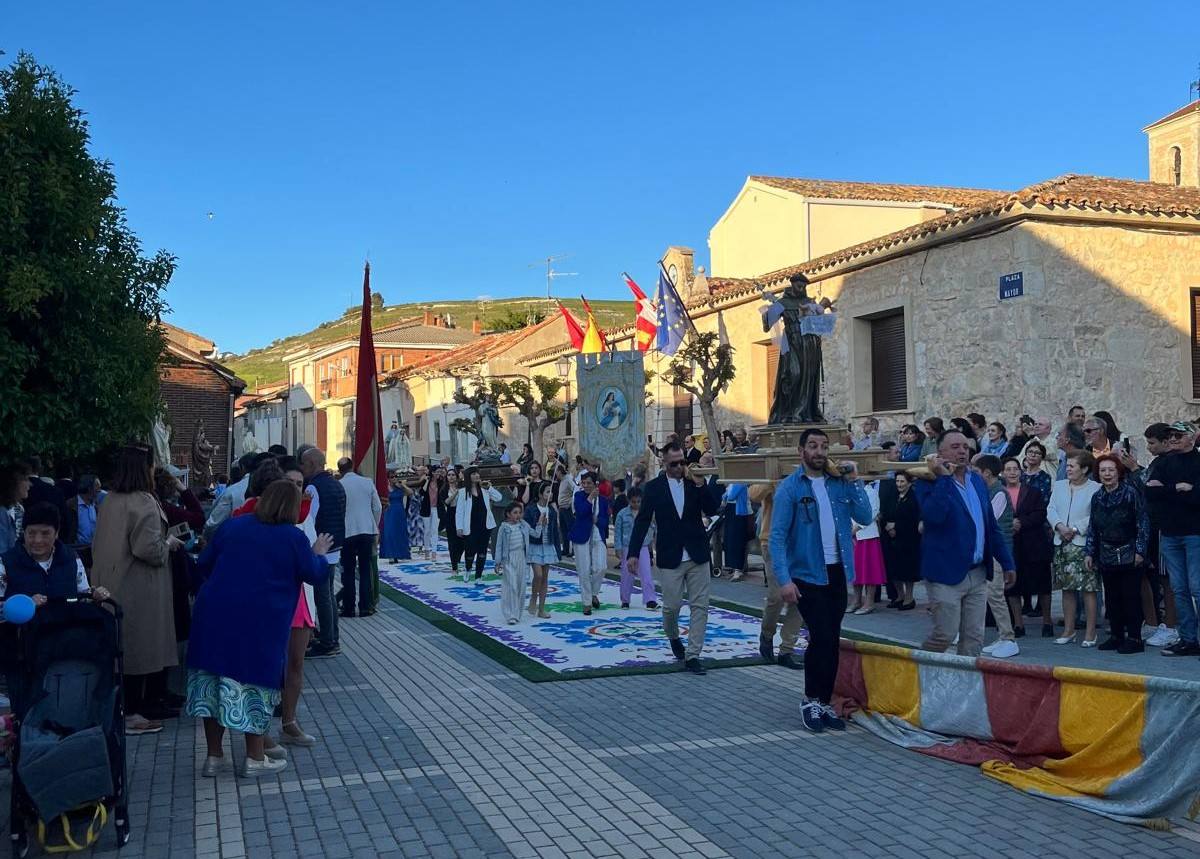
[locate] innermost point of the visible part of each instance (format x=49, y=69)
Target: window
x=1176, y=165
x=437, y=437
x=1196, y=343
x=417, y=428
x=889, y=377
x=683, y=412
x=772, y=372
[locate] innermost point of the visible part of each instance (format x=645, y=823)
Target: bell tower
x=1174, y=143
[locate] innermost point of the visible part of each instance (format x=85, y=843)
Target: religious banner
x=611, y=409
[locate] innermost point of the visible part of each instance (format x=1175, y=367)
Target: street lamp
x=563, y=365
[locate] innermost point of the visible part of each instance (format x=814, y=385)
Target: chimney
x=428, y=320
x=476, y=326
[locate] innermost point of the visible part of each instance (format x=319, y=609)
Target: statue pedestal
x=783, y=436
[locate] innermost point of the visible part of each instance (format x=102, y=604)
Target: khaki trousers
x=695, y=580
x=959, y=609
x=999, y=605
x=774, y=606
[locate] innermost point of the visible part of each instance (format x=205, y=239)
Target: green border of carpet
x=536, y=672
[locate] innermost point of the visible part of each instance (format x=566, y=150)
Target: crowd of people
x=991, y=522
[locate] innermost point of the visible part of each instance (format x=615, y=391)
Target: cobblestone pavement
x=429, y=748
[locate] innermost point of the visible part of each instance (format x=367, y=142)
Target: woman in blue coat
x=394, y=544
x=242, y=619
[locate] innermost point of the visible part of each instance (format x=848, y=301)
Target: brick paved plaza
x=429, y=748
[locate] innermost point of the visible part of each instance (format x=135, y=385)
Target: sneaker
x=988, y=648
x=830, y=719
x=1004, y=649
x=211, y=766
x=1182, y=648
x=276, y=752
x=1164, y=637
x=810, y=715
x=253, y=769
x=652, y=606
x=320, y=651
x=802, y=640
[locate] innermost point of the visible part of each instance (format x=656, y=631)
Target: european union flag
x=672, y=316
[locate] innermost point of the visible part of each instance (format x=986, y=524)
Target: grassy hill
x=264, y=366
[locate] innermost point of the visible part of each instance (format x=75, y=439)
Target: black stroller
x=69, y=758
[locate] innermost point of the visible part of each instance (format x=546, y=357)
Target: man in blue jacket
x=959, y=545
x=812, y=551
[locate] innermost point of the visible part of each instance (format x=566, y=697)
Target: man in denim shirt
x=813, y=554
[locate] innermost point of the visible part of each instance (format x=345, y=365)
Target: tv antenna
x=551, y=274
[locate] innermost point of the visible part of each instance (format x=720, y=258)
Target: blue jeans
x=1182, y=558
x=327, y=616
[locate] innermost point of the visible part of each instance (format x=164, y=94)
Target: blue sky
x=455, y=143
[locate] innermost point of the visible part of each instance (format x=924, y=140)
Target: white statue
x=160, y=435
x=249, y=442
x=489, y=425
x=399, y=451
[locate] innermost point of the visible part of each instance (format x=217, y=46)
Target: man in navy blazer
x=959, y=545
x=677, y=502
x=588, y=535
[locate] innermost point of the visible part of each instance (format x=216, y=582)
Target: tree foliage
x=703, y=367
x=79, y=345
x=515, y=319
x=534, y=399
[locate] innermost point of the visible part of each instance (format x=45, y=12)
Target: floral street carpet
x=569, y=641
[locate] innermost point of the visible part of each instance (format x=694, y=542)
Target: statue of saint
x=249, y=442
x=798, y=379
x=160, y=436
x=489, y=425
x=399, y=451
x=202, y=454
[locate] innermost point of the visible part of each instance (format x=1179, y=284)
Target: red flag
x=646, y=321
x=369, y=458
x=574, y=329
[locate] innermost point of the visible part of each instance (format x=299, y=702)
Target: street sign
x=1011, y=285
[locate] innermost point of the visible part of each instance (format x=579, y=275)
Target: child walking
x=512, y=560
x=543, y=548
x=623, y=531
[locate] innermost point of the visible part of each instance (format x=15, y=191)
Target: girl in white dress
x=512, y=560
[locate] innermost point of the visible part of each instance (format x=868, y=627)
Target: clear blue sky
x=458, y=142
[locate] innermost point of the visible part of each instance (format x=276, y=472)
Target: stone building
x=196, y=389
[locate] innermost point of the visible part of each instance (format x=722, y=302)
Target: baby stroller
x=68, y=762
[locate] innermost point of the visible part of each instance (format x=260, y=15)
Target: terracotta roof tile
x=1069, y=191
x=475, y=352
x=824, y=188
x=1183, y=111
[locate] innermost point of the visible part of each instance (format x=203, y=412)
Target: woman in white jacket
x=474, y=521
x=1069, y=515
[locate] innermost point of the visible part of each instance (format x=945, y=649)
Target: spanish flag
x=593, y=337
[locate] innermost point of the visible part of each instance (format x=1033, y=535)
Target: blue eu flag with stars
x=672, y=316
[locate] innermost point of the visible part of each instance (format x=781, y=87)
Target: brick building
x=196, y=389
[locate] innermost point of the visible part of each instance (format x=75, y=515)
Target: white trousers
x=431, y=532
x=590, y=560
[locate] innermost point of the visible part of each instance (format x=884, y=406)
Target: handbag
x=1117, y=556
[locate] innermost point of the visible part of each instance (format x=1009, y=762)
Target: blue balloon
x=18, y=608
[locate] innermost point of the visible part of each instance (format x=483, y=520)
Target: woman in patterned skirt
x=253, y=568
x=1070, y=515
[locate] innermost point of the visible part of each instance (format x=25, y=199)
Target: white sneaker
x=211, y=766
x=1004, y=649
x=276, y=753
x=253, y=769
x=989, y=648
x=955, y=641
x=1148, y=631
x=1164, y=637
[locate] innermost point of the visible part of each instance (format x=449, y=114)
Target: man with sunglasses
x=812, y=553
x=1174, y=493
x=676, y=501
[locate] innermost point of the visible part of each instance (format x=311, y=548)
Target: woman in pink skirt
x=868, y=559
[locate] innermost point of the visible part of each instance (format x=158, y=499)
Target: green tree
x=514, y=319
x=704, y=368
x=80, y=347
x=534, y=399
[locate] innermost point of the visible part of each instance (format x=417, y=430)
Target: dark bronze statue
x=798, y=379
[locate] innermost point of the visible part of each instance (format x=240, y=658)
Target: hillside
x=265, y=366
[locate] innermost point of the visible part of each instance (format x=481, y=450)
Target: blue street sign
x=1011, y=285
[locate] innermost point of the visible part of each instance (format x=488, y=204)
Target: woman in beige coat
x=131, y=552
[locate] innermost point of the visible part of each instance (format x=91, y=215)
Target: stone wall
x=1104, y=322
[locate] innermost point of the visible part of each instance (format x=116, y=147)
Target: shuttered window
x=772, y=372
x=1196, y=343
x=683, y=412
x=889, y=371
